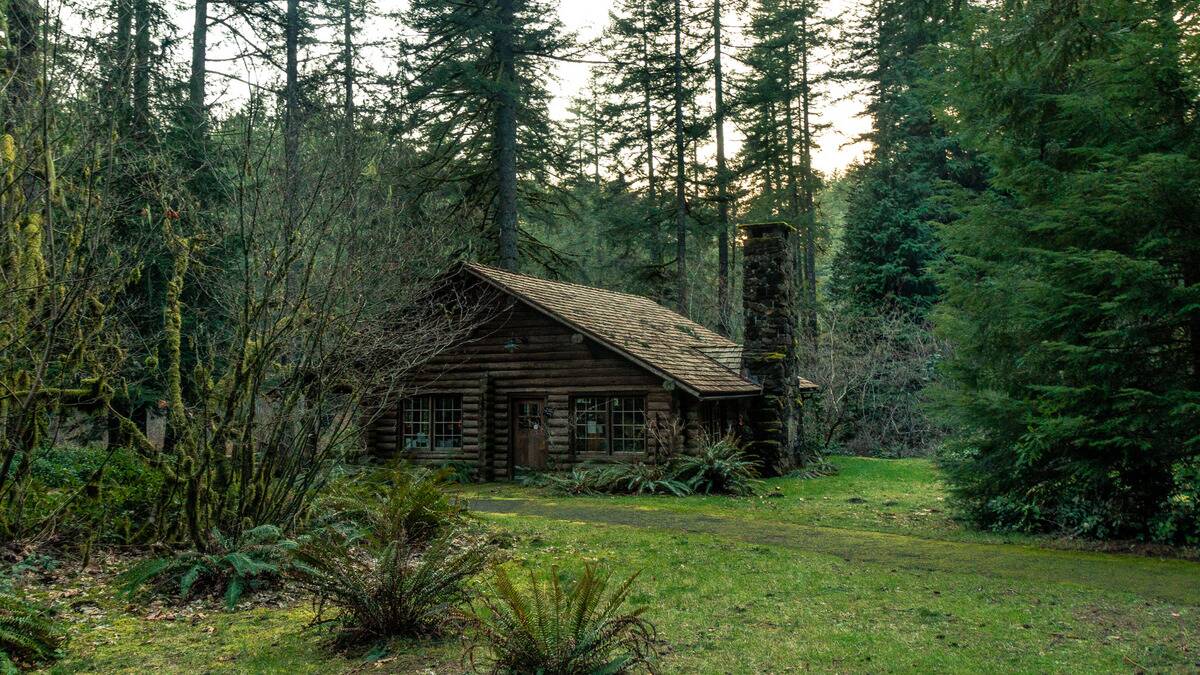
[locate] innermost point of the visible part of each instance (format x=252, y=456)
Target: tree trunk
x=680, y=178
x=809, y=187
x=117, y=85
x=350, y=142
x=291, y=119
x=23, y=19
x=506, y=137
x=195, y=116
x=141, y=71
x=723, y=307
x=656, y=246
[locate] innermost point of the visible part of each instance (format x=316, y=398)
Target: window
x=609, y=423
x=431, y=422
x=591, y=424
x=628, y=424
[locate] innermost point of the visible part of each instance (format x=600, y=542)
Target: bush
x=721, y=467
x=640, y=479
x=460, y=473
x=392, y=589
x=410, y=505
x=1178, y=521
x=549, y=627
x=28, y=634
x=87, y=494
x=231, y=567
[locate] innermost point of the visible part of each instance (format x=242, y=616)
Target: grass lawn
x=864, y=571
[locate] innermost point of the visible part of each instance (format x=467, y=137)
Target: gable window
x=431, y=423
x=609, y=423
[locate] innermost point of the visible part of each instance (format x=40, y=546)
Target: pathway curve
x=1175, y=581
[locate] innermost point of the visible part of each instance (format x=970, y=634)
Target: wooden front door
x=529, y=433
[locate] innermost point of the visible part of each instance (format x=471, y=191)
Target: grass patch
x=863, y=571
x=756, y=608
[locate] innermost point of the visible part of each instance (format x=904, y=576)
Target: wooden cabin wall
x=550, y=360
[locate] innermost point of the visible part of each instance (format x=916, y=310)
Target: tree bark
x=808, y=183
x=506, y=137
x=141, y=71
x=723, y=291
x=291, y=117
x=680, y=177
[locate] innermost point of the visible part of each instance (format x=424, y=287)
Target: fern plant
x=565, y=629
x=720, y=467
x=28, y=634
x=389, y=589
x=412, y=504
x=230, y=566
x=640, y=479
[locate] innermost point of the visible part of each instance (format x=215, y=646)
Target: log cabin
x=560, y=374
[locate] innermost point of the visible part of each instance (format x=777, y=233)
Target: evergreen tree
x=648, y=74
x=896, y=197
x=477, y=84
x=1072, y=287
x=776, y=98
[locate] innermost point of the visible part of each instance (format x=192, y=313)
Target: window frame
x=579, y=445
x=435, y=429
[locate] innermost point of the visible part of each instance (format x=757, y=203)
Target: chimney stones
x=770, y=307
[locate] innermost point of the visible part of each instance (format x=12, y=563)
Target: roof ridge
x=564, y=283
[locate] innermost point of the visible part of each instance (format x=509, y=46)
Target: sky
x=840, y=110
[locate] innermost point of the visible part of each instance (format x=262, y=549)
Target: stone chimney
x=769, y=355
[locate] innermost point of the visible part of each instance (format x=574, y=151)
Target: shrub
x=549, y=627
x=1178, y=521
x=231, y=567
x=461, y=473
x=393, y=589
x=411, y=504
x=721, y=467
x=28, y=634
x=86, y=494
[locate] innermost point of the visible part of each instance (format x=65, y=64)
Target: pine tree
x=895, y=201
x=1072, y=287
x=652, y=82
x=775, y=100
x=477, y=83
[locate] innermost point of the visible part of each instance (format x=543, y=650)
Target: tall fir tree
x=776, y=98
x=477, y=81
x=651, y=138
x=1072, y=287
x=896, y=196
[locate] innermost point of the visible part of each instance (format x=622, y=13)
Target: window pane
x=447, y=422
x=628, y=424
x=415, y=423
x=590, y=418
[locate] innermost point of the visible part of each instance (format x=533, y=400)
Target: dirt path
x=1175, y=581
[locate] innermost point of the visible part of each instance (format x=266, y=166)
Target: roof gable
x=667, y=343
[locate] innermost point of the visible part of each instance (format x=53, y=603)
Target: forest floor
x=863, y=571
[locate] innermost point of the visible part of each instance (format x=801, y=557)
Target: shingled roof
x=700, y=361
